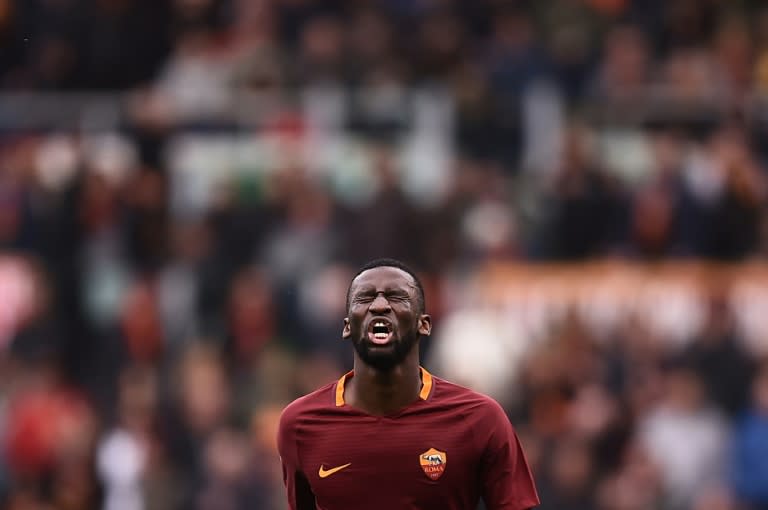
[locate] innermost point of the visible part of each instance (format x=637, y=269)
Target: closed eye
x=367, y=298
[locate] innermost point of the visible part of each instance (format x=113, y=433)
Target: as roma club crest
x=433, y=463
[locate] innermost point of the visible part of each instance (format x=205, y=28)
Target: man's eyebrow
x=366, y=288
x=393, y=290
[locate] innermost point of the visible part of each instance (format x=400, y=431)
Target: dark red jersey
x=445, y=451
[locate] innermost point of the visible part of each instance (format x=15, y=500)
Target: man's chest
x=371, y=462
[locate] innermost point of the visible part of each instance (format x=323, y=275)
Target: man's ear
x=346, y=331
x=425, y=325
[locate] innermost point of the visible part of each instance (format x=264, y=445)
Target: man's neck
x=384, y=392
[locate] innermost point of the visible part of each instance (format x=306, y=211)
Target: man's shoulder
x=317, y=401
x=452, y=394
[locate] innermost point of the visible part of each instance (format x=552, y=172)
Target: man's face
x=384, y=320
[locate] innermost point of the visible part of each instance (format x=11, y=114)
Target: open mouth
x=380, y=331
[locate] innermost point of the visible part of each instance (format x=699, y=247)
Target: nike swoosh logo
x=324, y=473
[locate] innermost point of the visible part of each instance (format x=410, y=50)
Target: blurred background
x=187, y=187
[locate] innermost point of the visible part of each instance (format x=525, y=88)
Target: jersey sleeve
x=299, y=492
x=507, y=480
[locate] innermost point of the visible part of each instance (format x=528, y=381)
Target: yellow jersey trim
x=426, y=386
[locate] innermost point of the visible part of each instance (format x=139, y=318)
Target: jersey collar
x=426, y=385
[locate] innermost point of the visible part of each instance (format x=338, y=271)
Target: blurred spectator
x=141, y=328
x=180, y=284
x=123, y=456
x=187, y=186
x=736, y=214
x=685, y=438
x=572, y=476
x=322, y=300
x=719, y=357
x=750, y=464
x=513, y=60
x=388, y=222
x=587, y=204
x=625, y=68
x=48, y=441
x=200, y=407
x=193, y=83
x=251, y=316
x=266, y=478
x=321, y=57
x=480, y=350
x=226, y=457
x=635, y=486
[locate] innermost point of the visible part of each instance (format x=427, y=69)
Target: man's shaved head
x=385, y=262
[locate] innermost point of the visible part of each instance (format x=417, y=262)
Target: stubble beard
x=386, y=360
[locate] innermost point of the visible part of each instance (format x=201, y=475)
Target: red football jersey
x=445, y=451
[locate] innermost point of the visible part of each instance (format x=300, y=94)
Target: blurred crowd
x=156, y=318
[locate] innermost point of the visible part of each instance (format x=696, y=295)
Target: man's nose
x=380, y=304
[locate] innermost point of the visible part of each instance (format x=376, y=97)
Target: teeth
x=380, y=324
x=381, y=336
